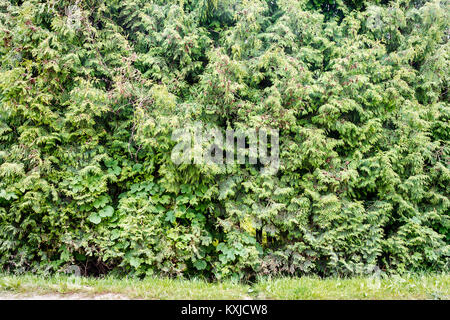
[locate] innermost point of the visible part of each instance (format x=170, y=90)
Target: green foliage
x=90, y=96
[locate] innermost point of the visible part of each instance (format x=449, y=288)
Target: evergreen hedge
x=91, y=91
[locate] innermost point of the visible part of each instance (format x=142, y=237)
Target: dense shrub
x=91, y=91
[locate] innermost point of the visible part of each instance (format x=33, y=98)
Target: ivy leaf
x=95, y=218
x=185, y=188
x=200, y=264
x=100, y=202
x=135, y=262
x=221, y=246
x=107, y=211
x=116, y=170
x=170, y=216
x=115, y=234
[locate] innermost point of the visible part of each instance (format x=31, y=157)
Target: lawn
x=435, y=286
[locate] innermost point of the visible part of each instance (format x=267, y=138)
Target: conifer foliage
x=91, y=91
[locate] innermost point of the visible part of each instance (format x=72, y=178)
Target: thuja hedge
x=91, y=91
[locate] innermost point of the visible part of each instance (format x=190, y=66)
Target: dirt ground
x=62, y=296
